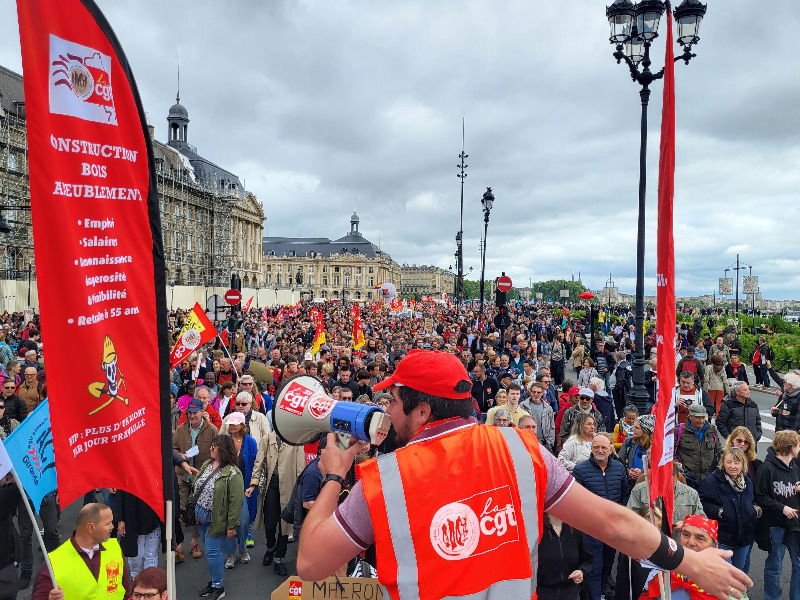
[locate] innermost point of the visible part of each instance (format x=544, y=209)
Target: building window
x=358, y=295
x=188, y=242
x=278, y=268
x=269, y=278
x=324, y=269
x=347, y=281
x=13, y=163
x=289, y=269
x=369, y=295
x=324, y=293
x=278, y=279
x=310, y=280
x=358, y=282
x=336, y=280
x=269, y=267
x=370, y=269
x=335, y=269
x=358, y=270
x=371, y=282
x=324, y=280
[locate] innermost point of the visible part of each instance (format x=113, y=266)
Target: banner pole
x=228, y=354
x=26, y=501
x=170, y=552
x=663, y=576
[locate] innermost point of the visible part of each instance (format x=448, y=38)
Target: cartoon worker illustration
x=114, y=386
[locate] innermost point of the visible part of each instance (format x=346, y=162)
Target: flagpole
x=663, y=576
x=170, y=552
x=225, y=349
x=26, y=501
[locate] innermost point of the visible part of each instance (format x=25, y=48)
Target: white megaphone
x=303, y=413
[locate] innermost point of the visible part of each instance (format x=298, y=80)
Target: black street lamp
x=633, y=29
x=486, y=202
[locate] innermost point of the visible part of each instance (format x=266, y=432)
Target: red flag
x=196, y=331
x=99, y=254
x=224, y=338
x=358, y=330
x=661, y=484
x=248, y=303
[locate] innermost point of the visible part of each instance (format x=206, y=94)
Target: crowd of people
x=549, y=372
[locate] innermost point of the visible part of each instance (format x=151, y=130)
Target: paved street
x=256, y=581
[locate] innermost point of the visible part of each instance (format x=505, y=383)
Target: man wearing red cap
x=441, y=531
x=697, y=533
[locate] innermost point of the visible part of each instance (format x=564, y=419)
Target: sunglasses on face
x=242, y=404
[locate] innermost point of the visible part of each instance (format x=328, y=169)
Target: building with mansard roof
x=350, y=267
x=211, y=225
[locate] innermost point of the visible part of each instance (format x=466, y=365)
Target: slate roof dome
x=179, y=111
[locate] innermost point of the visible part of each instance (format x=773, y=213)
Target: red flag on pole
x=248, y=303
x=661, y=484
x=358, y=330
x=196, y=331
x=224, y=338
x=99, y=254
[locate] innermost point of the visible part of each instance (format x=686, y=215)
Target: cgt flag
x=99, y=254
x=358, y=330
x=248, y=303
x=197, y=330
x=30, y=447
x=661, y=483
x=319, y=330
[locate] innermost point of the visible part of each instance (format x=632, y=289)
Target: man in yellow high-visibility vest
x=89, y=565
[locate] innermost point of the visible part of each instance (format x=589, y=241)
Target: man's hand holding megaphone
x=337, y=461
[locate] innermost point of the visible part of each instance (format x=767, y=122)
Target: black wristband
x=668, y=555
x=333, y=477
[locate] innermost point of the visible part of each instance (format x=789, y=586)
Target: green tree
x=551, y=289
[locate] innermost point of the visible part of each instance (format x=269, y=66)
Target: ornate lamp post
x=633, y=29
x=460, y=235
x=487, y=201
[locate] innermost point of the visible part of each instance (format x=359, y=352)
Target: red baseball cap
x=574, y=391
x=431, y=372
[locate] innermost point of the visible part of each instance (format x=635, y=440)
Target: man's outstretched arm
x=623, y=529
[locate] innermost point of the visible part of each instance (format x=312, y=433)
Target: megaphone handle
x=343, y=440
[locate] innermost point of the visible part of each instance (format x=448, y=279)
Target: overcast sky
x=329, y=105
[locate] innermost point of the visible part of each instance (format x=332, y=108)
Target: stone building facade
x=350, y=267
x=425, y=280
x=211, y=225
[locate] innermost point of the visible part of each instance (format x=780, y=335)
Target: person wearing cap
x=196, y=431
x=696, y=533
x=209, y=413
x=439, y=533
x=585, y=405
x=564, y=404
x=636, y=447
x=690, y=364
x=697, y=446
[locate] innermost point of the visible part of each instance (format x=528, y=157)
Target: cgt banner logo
x=475, y=525
x=295, y=590
x=80, y=82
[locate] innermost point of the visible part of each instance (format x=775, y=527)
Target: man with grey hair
x=739, y=410
x=786, y=410
x=257, y=422
x=502, y=418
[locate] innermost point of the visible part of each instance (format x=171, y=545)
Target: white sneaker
x=230, y=561
x=243, y=557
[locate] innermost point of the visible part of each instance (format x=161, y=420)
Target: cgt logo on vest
x=475, y=525
x=295, y=590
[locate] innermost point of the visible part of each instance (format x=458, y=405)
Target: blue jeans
x=772, y=566
x=602, y=560
x=217, y=546
x=244, y=525
x=740, y=558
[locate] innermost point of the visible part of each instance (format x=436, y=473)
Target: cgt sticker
x=295, y=590
x=295, y=398
x=320, y=407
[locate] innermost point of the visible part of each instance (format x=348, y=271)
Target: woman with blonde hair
x=727, y=496
x=501, y=398
x=742, y=438
x=578, y=446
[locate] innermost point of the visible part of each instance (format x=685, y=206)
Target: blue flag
x=30, y=447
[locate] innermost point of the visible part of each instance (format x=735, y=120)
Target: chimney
x=152, y=131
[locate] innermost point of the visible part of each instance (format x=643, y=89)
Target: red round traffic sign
x=503, y=283
x=233, y=297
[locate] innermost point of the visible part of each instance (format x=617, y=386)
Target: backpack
x=756, y=359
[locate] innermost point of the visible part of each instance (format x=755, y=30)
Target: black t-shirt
x=312, y=482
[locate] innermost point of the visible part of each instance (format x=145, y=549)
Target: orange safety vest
x=458, y=515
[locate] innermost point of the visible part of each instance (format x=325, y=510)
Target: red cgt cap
x=710, y=526
x=431, y=372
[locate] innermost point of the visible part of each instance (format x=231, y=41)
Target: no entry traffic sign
x=233, y=297
x=503, y=283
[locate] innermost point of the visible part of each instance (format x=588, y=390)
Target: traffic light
x=499, y=298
